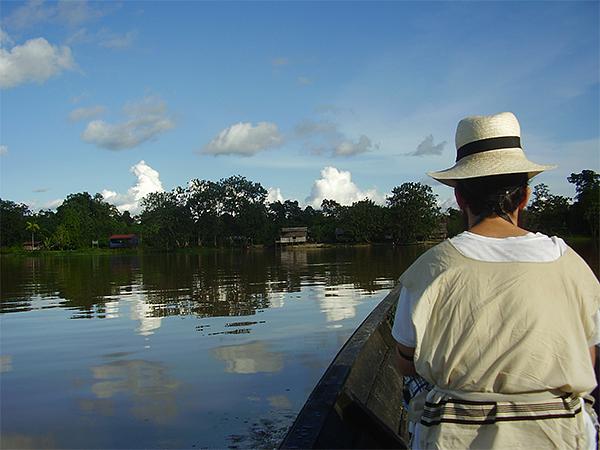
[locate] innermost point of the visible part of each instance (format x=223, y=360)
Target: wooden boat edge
x=310, y=422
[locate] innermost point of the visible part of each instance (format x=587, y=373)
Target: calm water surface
x=216, y=349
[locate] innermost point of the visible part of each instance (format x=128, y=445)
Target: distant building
x=440, y=232
x=29, y=246
x=293, y=235
x=123, y=241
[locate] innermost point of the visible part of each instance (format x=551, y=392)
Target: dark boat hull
x=358, y=401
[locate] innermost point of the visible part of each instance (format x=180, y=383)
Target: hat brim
x=496, y=162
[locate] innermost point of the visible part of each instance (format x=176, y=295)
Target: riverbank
x=576, y=240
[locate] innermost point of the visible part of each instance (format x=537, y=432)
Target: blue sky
x=311, y=99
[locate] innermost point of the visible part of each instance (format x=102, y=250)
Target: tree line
x=234, y=212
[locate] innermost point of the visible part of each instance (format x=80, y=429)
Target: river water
x=216, y=349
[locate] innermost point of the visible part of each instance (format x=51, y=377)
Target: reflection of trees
x=83, y=282
x=218, y=283
x=253, y=357
x=368, y=268
x=214, y=284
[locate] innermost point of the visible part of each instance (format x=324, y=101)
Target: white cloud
x=35, y=205
x=86, y=113
x=450, y=202
x=274, y=195
x=65, y=12
x=29, y=14
x=147, y=119
x=309, y=128
x=35, y=61
x=110, y=39
x=349, y=148
x=427, y=147
x=76, y=12
x=245, y=139
x=104, y=38
x=52, y=204
x=3, y=150
x=337, y=185
x=5, y=38
x=148, y=180
x=81, y=36
x=324, y=136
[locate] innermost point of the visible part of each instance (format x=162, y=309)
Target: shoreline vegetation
x=18, y=251
x=234, y=213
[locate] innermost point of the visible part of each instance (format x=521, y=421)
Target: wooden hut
x=293, y=235
x=123, y=241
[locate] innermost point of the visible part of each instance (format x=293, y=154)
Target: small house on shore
x=293, y=235
x=30, y=246
x=440, y=232
x=123, y=241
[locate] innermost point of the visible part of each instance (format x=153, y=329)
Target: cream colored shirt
x=509, y=329
x=533, y=247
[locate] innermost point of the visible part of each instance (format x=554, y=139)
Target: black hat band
x=485, y=145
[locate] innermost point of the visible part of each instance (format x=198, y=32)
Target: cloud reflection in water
x=253, y=357
x=151, y=390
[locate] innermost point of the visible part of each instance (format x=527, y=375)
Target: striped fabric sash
x=470, y=412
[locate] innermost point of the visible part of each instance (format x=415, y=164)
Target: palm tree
x=33, y=227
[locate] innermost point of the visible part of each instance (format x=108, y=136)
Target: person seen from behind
x=496, y=327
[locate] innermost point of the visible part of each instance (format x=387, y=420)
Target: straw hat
x=488, y=145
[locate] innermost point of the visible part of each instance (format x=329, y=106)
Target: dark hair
x=493, y=195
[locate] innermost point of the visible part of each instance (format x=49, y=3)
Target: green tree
x=33, y=228
x=204, y=200
x=166, y=221
x=47, y=221
x=85, y=218
x=244, y=209
x=414, y=212
x=13, y=218
x=327, y=221
x=585, y=212
x=331, y=208
x=455, y=222
x=364, y=220
x=547, y=213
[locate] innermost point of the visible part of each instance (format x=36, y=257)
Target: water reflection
x=82, y=283
x=28, y=441
x=338, y=303
x=279, y=402
x=147, y=383
x=206, y=285
x=144, y=313
x=253, y=357
x=6, y=363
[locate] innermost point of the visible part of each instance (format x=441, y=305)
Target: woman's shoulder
x=431, y=263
